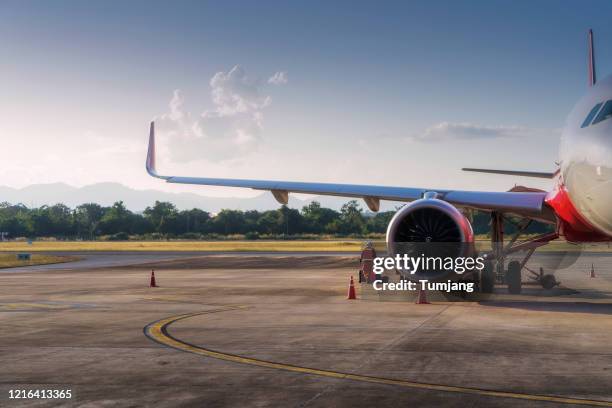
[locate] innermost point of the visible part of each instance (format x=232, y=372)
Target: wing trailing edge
x=536, y=174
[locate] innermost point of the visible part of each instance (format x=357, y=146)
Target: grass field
x=10, y=260
x=234, y=246
x=237, y=246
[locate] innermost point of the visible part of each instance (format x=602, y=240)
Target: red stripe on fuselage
x=572, y=225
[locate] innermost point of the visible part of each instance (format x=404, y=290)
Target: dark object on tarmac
x=366, y=264
x=513, y=277
x=487, y=278
x=24, y=257
x=549, y=281
x=153, y=284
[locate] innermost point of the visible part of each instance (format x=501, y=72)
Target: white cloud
x=470, y=131
x=235, y=93
x=176, y=106
x=279, y=78
x=230, y=129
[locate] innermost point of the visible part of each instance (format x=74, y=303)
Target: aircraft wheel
x=487, y=278
x=513, y=277
x=548, y=281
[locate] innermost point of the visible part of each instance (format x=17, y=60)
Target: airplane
x=579, y=205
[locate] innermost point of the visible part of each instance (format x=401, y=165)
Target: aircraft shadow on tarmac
x=562, y=307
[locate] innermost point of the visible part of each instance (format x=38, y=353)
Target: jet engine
x=429, y=227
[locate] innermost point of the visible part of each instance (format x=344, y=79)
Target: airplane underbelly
x=590, y=190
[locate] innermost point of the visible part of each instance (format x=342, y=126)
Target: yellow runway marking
x=158, y=332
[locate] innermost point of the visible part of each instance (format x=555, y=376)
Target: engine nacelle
x=429, y=227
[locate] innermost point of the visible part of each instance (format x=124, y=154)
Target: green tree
x=289, y=221
x=378, y=222
x=15, y=220
x=87, y=218
x=351, y=219
x=163, y=216
x=229, y=222
x=116, y=219
x=317, y=218
x=55, y=220
x=194, y=220
x=269, y=222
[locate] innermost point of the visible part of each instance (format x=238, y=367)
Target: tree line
x=163, y=220
x=92, y=221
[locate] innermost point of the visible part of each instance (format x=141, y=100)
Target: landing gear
x=548, y=281
x=495, y=268
x=513, y=277
x=487, y=278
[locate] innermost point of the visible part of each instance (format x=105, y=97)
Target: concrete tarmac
x=81, y=328
x=102, y=259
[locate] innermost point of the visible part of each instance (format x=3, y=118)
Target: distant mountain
x=137, y=200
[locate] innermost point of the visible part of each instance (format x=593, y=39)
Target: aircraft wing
x=530, y=204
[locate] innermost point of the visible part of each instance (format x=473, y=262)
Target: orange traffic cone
x=422, y=298
x=592, y=274
x=153, y=284
x=351, y=290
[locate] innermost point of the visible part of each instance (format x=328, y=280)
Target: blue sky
x=394, y=93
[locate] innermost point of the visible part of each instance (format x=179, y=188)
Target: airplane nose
x=590, y=188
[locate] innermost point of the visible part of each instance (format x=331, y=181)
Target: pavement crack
x=373, y=356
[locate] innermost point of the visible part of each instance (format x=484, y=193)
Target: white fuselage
x=586, y=157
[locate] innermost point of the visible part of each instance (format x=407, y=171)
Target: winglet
x=151, y=154
x=591, y=62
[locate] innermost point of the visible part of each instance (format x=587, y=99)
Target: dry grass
x=10, y=260
x=229, y=246
x=240, y=246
